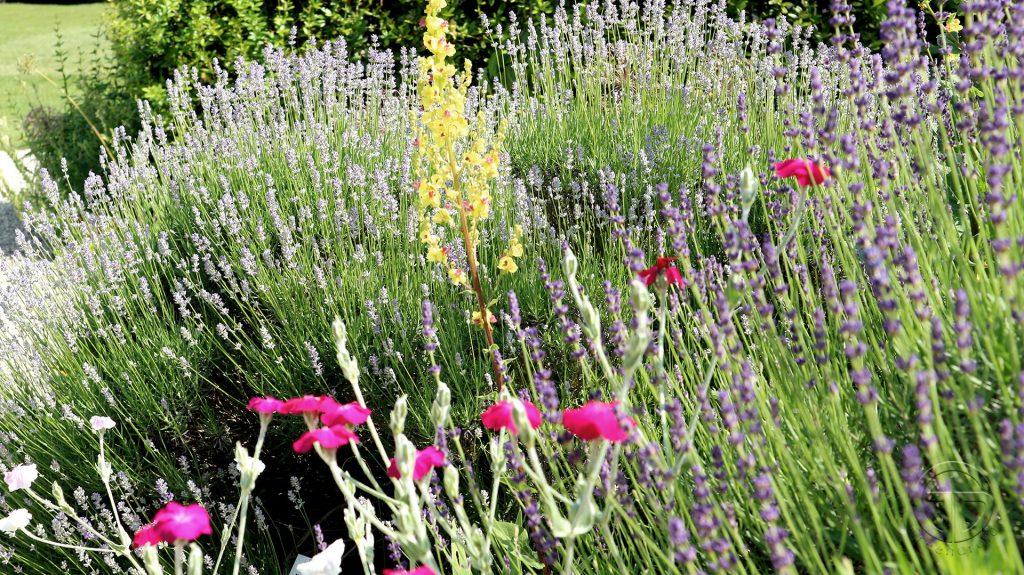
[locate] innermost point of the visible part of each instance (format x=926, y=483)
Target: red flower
x=308, y=404
x=328, y=438
x=422, y=570
x=663, y=265
x=804, y=170
x=265, y=404
x=175, y=522
x=499, y=416
x=426, y=460
x=347, y=414
x=597, y=419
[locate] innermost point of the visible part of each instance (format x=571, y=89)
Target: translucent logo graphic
x=968, y=487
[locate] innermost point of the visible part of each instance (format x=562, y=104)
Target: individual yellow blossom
x=507, y=265
x=430, y=196
x=442, y=217
x=457, y=277
x=476, y=318
x=437, y=254
x=954, y=25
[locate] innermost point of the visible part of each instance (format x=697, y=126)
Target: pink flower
x=663, y=266
x=805, y=171
x=175, y=522
x=101, y=423
x=21, y=477
x=328, y=438
x=499, y=416
x=307, y=404
x=426, y=460
x=265, y=405
x=347, y=414
x=422, y=570
x=597, y=419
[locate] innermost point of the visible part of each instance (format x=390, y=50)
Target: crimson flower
x=308, y=404
x=597, y=419
x=422, y=570
x=328, y=437
x=663, y=265
x=499, y=416
x=266, y=405
x=347, y=414
x=804, y=170
x=426, y=459
x=175, y=522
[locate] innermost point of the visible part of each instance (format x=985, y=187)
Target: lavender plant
x=816, y=383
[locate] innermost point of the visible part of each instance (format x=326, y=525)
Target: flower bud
x=349, y=365
x=398, y=414
x=405, y=456
x=249, y=468
x=748, y=184
x=451, y=482
x=440, y=408
x=569, y=263
x=58, y=495
x=524, y=429
x=195, y=560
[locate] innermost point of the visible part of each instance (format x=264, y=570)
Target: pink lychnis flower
x=597, y=419
x=347, y=414
x=426, y=460
x=422, y=570
x=175, y=522
x=265, y=405
x=499, y=416
x=804, y=170
x=328, y=437
x=308, y=404
x=21, y=477
x=101, y=423
x=662, y=266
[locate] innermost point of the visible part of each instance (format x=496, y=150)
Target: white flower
x=21, y=477
x=326, y=562
x=18, y=519
x=101, y=423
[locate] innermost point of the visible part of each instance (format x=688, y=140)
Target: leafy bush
x=824, y=346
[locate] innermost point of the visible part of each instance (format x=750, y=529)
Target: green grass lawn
x=29, y=34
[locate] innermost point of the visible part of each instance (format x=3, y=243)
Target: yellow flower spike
x=507, y=265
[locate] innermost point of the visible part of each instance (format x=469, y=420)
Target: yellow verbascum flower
x=953, y=25
x=442, y=217
x=436, y=254
x=507, y=265
x=476, y=318
x=458, y=277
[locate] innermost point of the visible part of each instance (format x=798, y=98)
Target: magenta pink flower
x=328, y=437
x=499, y=416
x=663, y=266
x=347, y=414
x=266, y=405
x=804, y=170
x=426, y=460
x=422, y=570
x=597, y=419
x=308, y=404
x=175, y=522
